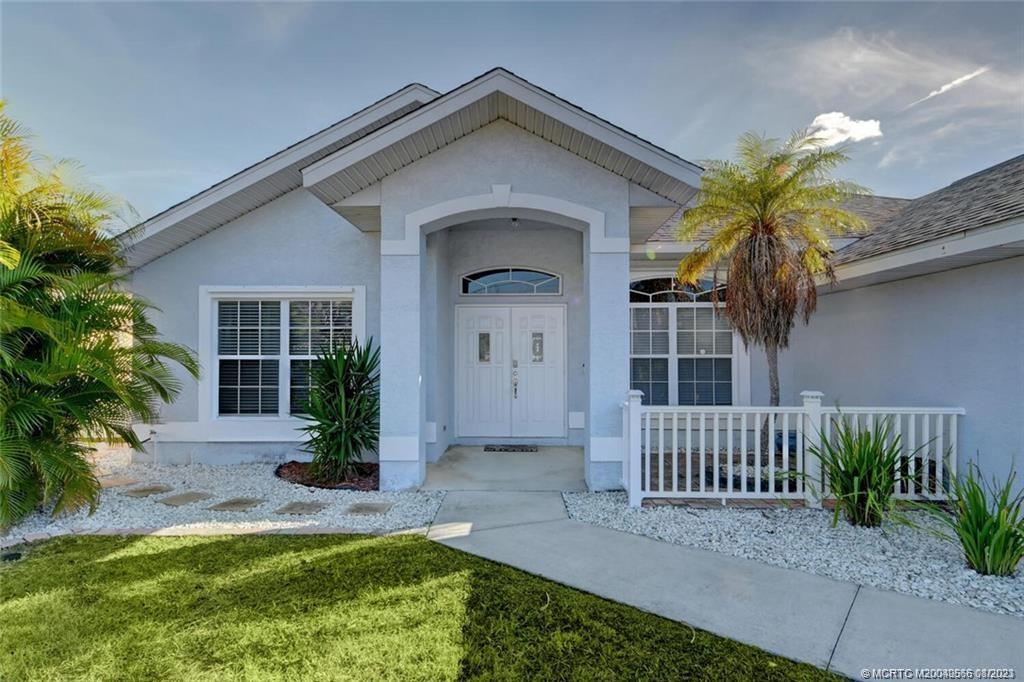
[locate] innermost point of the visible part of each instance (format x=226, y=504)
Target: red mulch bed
x=368, y=477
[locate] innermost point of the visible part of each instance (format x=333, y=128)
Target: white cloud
x=835, y=127
x=955, y=83
x=873, y=71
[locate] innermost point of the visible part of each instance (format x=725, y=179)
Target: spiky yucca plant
x=863, y=468
x=986, y=520
x=343, y=410
x=768, y=216
x=79, y=357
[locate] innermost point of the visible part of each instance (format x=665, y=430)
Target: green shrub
x=343, y=410
x=986, y=521
x=863, y=468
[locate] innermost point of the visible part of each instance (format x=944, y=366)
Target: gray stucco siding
x=292, y=241
x=949, y=339
x=502, y=153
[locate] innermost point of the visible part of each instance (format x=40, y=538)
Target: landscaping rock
x=894, y=557
x=410, y=509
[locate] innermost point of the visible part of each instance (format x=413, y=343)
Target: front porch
x=471, y=468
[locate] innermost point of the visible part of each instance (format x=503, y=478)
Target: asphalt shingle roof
x=873, y=209
x=989, y=196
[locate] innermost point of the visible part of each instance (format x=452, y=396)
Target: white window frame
x=267, y=427
x=740, y=353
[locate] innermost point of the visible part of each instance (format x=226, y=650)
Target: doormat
x=510, y=448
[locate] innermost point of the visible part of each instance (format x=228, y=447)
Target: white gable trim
x=446, y=213
x=519, y=89
x=260, y=171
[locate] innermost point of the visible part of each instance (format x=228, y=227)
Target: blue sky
x=160, y=100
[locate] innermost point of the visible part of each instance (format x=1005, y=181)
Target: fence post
x=812, y=439
x=633, y=448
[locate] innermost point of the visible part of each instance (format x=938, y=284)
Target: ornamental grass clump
x=343, y=411
x=986, y=520
x=863, y=469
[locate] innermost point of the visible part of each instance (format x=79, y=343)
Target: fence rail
x=764, y=452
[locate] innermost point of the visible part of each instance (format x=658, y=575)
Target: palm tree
x=768, y=218
x=79, y=358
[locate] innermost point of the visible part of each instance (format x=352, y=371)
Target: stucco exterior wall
x=950, y=339
x=294, y=240
x=502, y=155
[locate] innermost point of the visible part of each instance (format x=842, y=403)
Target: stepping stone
x=117, y=482
x=367, y=508
x=147, y=490
x=301, y=508
x=238, y=504
x=184, y=498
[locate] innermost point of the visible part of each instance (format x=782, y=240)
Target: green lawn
x=328, y=608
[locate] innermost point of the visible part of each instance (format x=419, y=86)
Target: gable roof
x=500, y=94
x=990, y=196
x=262, y=182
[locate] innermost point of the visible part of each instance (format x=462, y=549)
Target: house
x=509, y=252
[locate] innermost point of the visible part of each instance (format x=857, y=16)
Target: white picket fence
x=763, y=452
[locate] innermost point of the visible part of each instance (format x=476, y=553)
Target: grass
x=330, y=608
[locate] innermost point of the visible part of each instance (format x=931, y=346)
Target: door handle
x=515, y=381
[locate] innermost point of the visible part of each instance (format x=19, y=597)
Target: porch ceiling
x=496, y=95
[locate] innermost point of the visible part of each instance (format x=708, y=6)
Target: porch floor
x=470, y=468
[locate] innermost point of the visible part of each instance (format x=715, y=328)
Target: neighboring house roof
x=875, y=211
x=262, y=182
x=990, y=196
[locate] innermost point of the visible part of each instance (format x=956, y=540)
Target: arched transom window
x=668, y=290
x=681, y=345
x=511, y=281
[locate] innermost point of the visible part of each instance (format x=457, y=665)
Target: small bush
x=863, y=468
x=343, y=410
x=986, y=521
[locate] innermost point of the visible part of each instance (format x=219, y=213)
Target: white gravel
x=894, y=557
x=118, y=511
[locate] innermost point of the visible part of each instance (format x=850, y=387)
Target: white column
x=607, y=277
x=632, y=443
x=813, y=487
x=402, y=448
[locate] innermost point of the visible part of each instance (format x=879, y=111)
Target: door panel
x=538, y=367
x=510, y=371
x=482, y=372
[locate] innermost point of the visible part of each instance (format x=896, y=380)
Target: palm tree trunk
x=771, y=353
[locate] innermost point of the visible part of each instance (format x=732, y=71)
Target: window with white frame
x=314, y=328
x=266, y=348
x=681, y=350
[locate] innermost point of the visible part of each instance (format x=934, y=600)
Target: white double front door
x=510, y=371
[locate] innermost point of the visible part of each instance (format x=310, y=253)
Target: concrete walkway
x=834, y=625
x=470, y=468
